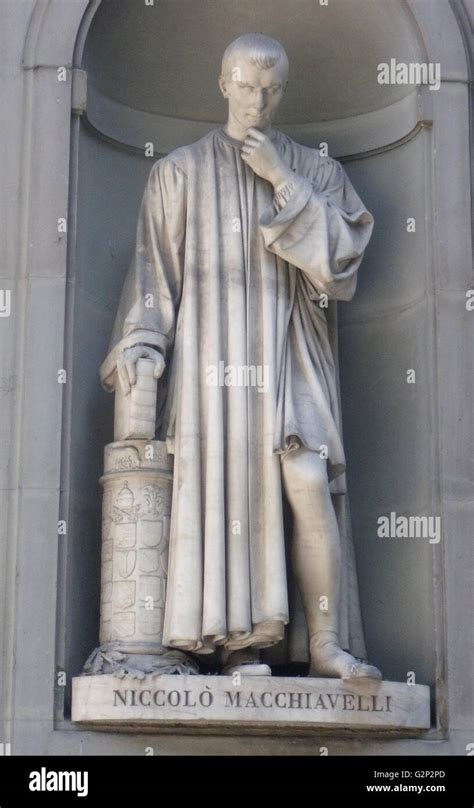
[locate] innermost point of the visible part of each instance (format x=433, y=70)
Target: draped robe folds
x=228, y=273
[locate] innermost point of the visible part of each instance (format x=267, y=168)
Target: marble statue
x=243, y=239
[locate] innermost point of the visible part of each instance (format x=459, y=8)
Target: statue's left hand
x=127, y=364
x=261, y=155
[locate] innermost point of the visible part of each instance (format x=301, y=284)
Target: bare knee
x=304, y=475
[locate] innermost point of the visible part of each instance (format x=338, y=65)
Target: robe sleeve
x=152, y=290
x=320, y=225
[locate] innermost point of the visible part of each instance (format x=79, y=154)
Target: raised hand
x=261, y=155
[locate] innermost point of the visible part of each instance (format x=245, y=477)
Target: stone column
x=136, y=509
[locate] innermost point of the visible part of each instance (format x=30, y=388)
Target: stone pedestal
x=254, y=702
x=137, y=485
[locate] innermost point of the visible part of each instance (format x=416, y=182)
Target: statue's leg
x=316, y=559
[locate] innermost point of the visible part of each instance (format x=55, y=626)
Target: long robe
x=236, y=274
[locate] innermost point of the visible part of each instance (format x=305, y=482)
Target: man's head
x=253, y=79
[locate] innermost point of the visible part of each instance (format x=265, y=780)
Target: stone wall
x=75, y=155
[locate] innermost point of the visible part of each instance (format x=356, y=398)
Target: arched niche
x=151, y=77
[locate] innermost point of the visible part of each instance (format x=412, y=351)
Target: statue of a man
x=242, y=239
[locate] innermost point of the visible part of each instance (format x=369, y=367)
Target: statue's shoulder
x=182, y=157
x=175, y=159
x=307, y=161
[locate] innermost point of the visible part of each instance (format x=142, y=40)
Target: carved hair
x=259, y=49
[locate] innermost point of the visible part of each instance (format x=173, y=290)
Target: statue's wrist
x=281, y=178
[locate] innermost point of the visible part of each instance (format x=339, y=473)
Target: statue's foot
x=248, y=669
x=328, y=659
x=246, y=661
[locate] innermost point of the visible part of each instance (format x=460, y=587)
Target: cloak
x=226, y=282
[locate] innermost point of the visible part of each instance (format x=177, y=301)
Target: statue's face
x=253, y=93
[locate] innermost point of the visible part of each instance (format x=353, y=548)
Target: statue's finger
x=130, y=365
x=256, y=133
x=132, y=354
x=123, y=378
x=159, y=368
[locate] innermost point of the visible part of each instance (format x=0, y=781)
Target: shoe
x=247, y=669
